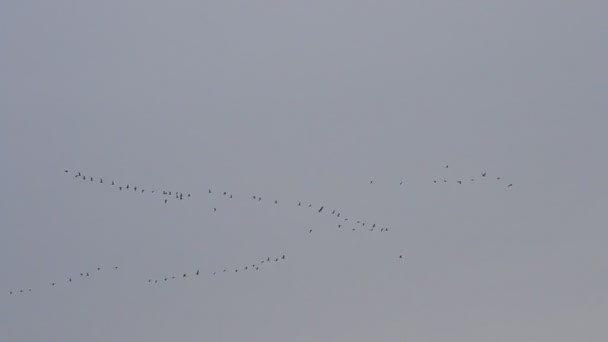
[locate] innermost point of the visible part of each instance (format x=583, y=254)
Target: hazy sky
x=305, y=101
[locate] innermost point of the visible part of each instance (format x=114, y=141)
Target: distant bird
x=283, y=257
x=112, y=182
x=209, y=190
x=87, y=274
x=483, y=174
x=134, y=188
x=70, y=280
x=310, y=205
x=165, y=200
x=101, y=180
x=91, y=179
x=224, y=193
x=127, y=186
x=371, y=182
x=214, y=209
x=497, y=178
x=188, y=195
x=259, y=199
x=459, y=182
x=374, y=225
x=230, y=196
x=276, y=202
x=268, y=259
x=184, y=276
x=236, y=270
x=197, y=272
x=120, y=188
x=254, y=197
x=333, y=212
x=339, y=226
x=446, y=166
x=149, y=280
x=66, y=171
x=10, y=292
x=435, y=181
x=510, y=185
x=299, y=204
x=53, y=284
x=445, y=181
x=401, y=257
x=338, y=215
x=321, y=209
x=472, y=179
x=400, y=183
x=310, y=231
x=115, y=267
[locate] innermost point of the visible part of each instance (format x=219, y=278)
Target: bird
x=184, y=276
x=120, y=188
x=459, y=182
x=70, y=280
x=445, y=181
x=283, y=257
x=66, y=171
x=127, y=186
x=446, y=166
x=299, y=204
x=321, y=209
x=435, y=181
x=101, y=180
x=339, y=226
x=209, y=190
x=497, y=178
x=472, y=179
x=112, y=182
x=10, y=292
x=401, y=257
x=371, y=182
x=214, y=209
x=277, y=259
x=276, y=202
x=374, y=225
x=224, y=193
x=53, y=284
x=165, y=200
x=310, y=231
x=197, y=272
x=483, y=174
x=510, y=185
x=338, y=215
x=400, y=183
x=188, y=195
x=115, y=267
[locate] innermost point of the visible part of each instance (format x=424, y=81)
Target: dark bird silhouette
x=120, y=188
x=299, y=204
x=310, y=231
x=91, y=179
x=184, y=276
x=339, y=226
x=338, y=215
x=115, y=267
x=283, y=257
x=165, y=200
x=497, y=178
x=112, y=182
x=224, y=193
x=101, y=181
x=188, y=195
x=214, y=209
x=209, y=190
x=400, y=183
x=472, y=179
x=310, y=205
x=10, y=292
x=276, y=202
x=197, y=272
x=446, y=166
x=459, y=182
x=371, y=182
x=127, y=186
x=483, y=174
x=321, y=209
x=70, y=280
x=66, y=171
x=445, y=181
x=53, y=284
x=435, y=181
x=401, y=257
x=510, y=185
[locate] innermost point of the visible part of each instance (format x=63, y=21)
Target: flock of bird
x=248, y=267
x=343, y=222
x=67, y=280
x=460, y=181
x=167, y=195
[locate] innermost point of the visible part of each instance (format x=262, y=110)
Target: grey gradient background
x=305, y=100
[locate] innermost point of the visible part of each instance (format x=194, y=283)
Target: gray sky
x=305, y=100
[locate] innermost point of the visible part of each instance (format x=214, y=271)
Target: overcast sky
x=304, y=101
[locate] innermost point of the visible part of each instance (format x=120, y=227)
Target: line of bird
x=248, y=267
x=180, y=196
x=168, y=194
x=459, y=181
x=68, y=280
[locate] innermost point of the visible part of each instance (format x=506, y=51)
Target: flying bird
x=321, y=209
x=483, y=174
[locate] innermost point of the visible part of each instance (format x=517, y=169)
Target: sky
x=304, y=101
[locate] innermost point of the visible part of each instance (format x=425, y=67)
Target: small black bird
x=115, y=267
x=165, y=200
x=66, y=171
x=401, y=257
x=214, y=209
x=283, y=257
x=276, y=202
x=321, y=209
x=197, y=272
x=184, y=275
x=459, y=182
x=483, y=174
x=510, y=185
x=310, y=231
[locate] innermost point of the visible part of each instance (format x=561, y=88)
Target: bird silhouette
x=321, y=209
x=510, y=185
x=483, y=174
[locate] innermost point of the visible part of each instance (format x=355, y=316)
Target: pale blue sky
x=305, y=101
